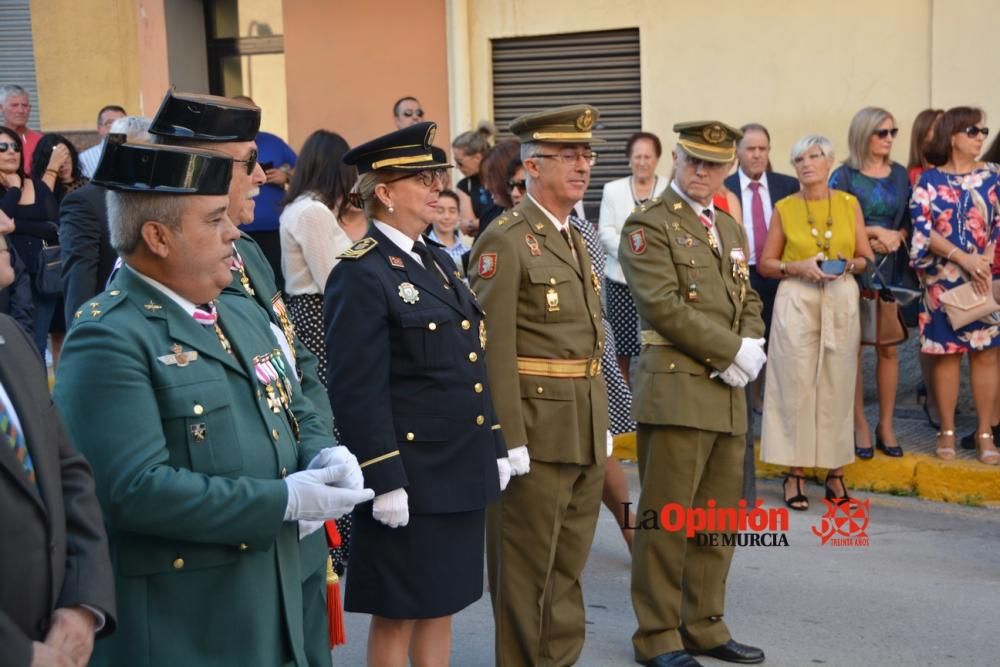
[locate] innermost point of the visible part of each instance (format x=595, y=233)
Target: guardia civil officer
x=230, y=126
x=407, y=380
x=686, y=265
x=205, y=451
x=533, y=276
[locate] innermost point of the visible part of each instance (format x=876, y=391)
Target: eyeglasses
x=517, y=185
x=250, y=162
x=6, y=146
x=427, y=177
x=569, y=157
x=973, y=130
x=410, y=113
x=882, y=134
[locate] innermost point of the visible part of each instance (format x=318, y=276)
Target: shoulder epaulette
x=359, y=249
x=646, y=205
x=100, y=305
x=510, y=219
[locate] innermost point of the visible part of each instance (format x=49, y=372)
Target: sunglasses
x=973, y=131
x=882, y=134
x=6, y=146
x=410, y=113
x=517, y=185
x=250, y=162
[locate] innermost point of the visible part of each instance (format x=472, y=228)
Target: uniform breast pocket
x=425, y=336
x=199, y=426
x=693, y=266
x=552, y=294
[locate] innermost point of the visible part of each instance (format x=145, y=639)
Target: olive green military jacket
x=695, y=306
x=541, y=304
x=189, y=457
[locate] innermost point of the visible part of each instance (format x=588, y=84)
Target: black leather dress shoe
x=733, y=651
x=673, y=659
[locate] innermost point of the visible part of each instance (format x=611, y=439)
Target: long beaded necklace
x=822, y=239
x=960, y=206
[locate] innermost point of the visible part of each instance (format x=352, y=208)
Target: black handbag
x=48, y=273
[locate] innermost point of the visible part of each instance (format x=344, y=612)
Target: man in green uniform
x=205, y=452
x=533, y=276
x=686, y=265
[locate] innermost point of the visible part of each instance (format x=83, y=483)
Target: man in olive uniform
x=204, y=449
x=230, y=126
x=686, y=265
x=543, y=314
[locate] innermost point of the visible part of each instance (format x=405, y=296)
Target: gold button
x=243, y=547
x=707, y=360
x=198, y=409
x=178, y=563
x=478, y=387
x=672, y=365
x=600, y=345
x=115, y=292
x=473, y=357
x=540, y=390
x=410, y=437
x=432, y=326
x=480, y=420
x=274, y=433
x=466, y=324
x=552, y=281
x=284, y=473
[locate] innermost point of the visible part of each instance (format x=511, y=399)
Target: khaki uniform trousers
x=679, y=588
x=538, y=539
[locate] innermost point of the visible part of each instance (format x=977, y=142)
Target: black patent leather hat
x=140, y=167
x=205, y=118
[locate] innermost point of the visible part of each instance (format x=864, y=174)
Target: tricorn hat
x=178, y=170
x=205, y=118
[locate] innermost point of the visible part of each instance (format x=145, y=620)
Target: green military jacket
x=695, y=305
x=189, y=455
x=540, y=303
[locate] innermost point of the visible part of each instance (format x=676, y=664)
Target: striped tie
x=16, y=441
x=206, y=315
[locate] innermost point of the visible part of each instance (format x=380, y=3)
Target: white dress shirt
x=746, y=197
x=311, y=239
x=698, y=208
x=617, y=203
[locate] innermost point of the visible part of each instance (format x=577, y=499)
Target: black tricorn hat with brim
x=205, y=118
x=176, y=170
x=408, y=149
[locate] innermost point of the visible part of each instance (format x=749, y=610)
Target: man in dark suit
x=759, y=189
x=56, y=587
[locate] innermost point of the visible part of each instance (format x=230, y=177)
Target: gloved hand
x=310, y=499
x=520, y=463
x=751, y=357
x=609, y=441
x=734, y=376
x=503, y=467
x=307, y=528
x=350, y=472
x=392, y=508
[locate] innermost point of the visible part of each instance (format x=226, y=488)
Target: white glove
x=350, y=472
x=392, y=508
x=307, y=528
x=610, y=443
x=310, y=499
x=734, y=376
x=751, y=357
x=503, y=467
x=520, y=463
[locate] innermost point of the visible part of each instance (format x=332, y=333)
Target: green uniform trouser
x=679, y=588
x=538, y=539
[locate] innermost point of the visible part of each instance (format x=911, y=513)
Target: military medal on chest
x=740, y=269
x=532, y=243
x=595, y=281
x=482, y=334
x=552, y=300
x=281, y=311
x=237, y=264
x=408, y=293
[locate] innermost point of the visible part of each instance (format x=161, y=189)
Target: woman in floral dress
x=956, y=222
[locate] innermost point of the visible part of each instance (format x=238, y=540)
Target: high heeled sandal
x=830, y=495
x=798, y=502
x=945, y=453
x=990, y=457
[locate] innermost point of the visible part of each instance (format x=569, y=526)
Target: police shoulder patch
x=359, y=249
x=487, y=265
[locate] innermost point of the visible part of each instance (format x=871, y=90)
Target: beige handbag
x=962, y=305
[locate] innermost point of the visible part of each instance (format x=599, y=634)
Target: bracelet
x=783, y=267
x=52, y=171
x=850, y=268
x=947, y=257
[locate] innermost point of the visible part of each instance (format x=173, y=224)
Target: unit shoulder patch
x=487, y=265
x=359, y=249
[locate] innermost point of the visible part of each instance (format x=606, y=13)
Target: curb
x=919, y=475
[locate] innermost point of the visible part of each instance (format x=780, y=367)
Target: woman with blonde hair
x=475, y=201
x=815, y=244
x=883, y=190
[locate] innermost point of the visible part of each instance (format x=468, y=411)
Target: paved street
x=924, y=592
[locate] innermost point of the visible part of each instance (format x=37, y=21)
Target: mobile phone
x=266, y=165
x=833, y=267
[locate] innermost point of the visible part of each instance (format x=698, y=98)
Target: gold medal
x=552, y=300
x=482, y=334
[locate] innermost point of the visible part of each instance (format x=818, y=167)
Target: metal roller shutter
x=598, y=68
x=17, y=56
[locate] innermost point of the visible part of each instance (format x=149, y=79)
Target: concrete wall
x=187, y=60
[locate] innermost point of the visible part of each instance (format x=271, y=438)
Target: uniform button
x=552, y=281
x=707, y=360
x=473, y=357
x=466, y=324
x=274, y=434
x=178, y=563
x=595, y=315
x=540, y=390
x=692, y=262
x=410, y=437
x=284, y=473
x=478, y=387
x=243, y=547
x=115, y=292
x=432, y=326
x=480, y=420
x=198, y=409
x=672, y=365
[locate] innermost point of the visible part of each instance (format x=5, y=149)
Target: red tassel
x=334, y=608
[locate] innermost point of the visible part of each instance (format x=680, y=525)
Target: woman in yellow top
x=815, y=244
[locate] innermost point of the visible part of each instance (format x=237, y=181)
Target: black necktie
x=569, y=241
x=428, y=261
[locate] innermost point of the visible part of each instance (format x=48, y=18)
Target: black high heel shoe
x=922, y=399
x=830, y=495
x=896, y=451
x=798, y=502
x=863, y=453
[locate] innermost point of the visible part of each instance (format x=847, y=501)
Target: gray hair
x=12, y=90
x=810, y=140
x=859, y=135
x=135, y=128
x=528, y=149
x=129, y=211
x=478, y=141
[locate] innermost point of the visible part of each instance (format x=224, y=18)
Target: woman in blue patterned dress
x=883, y=190
x=956, y=222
